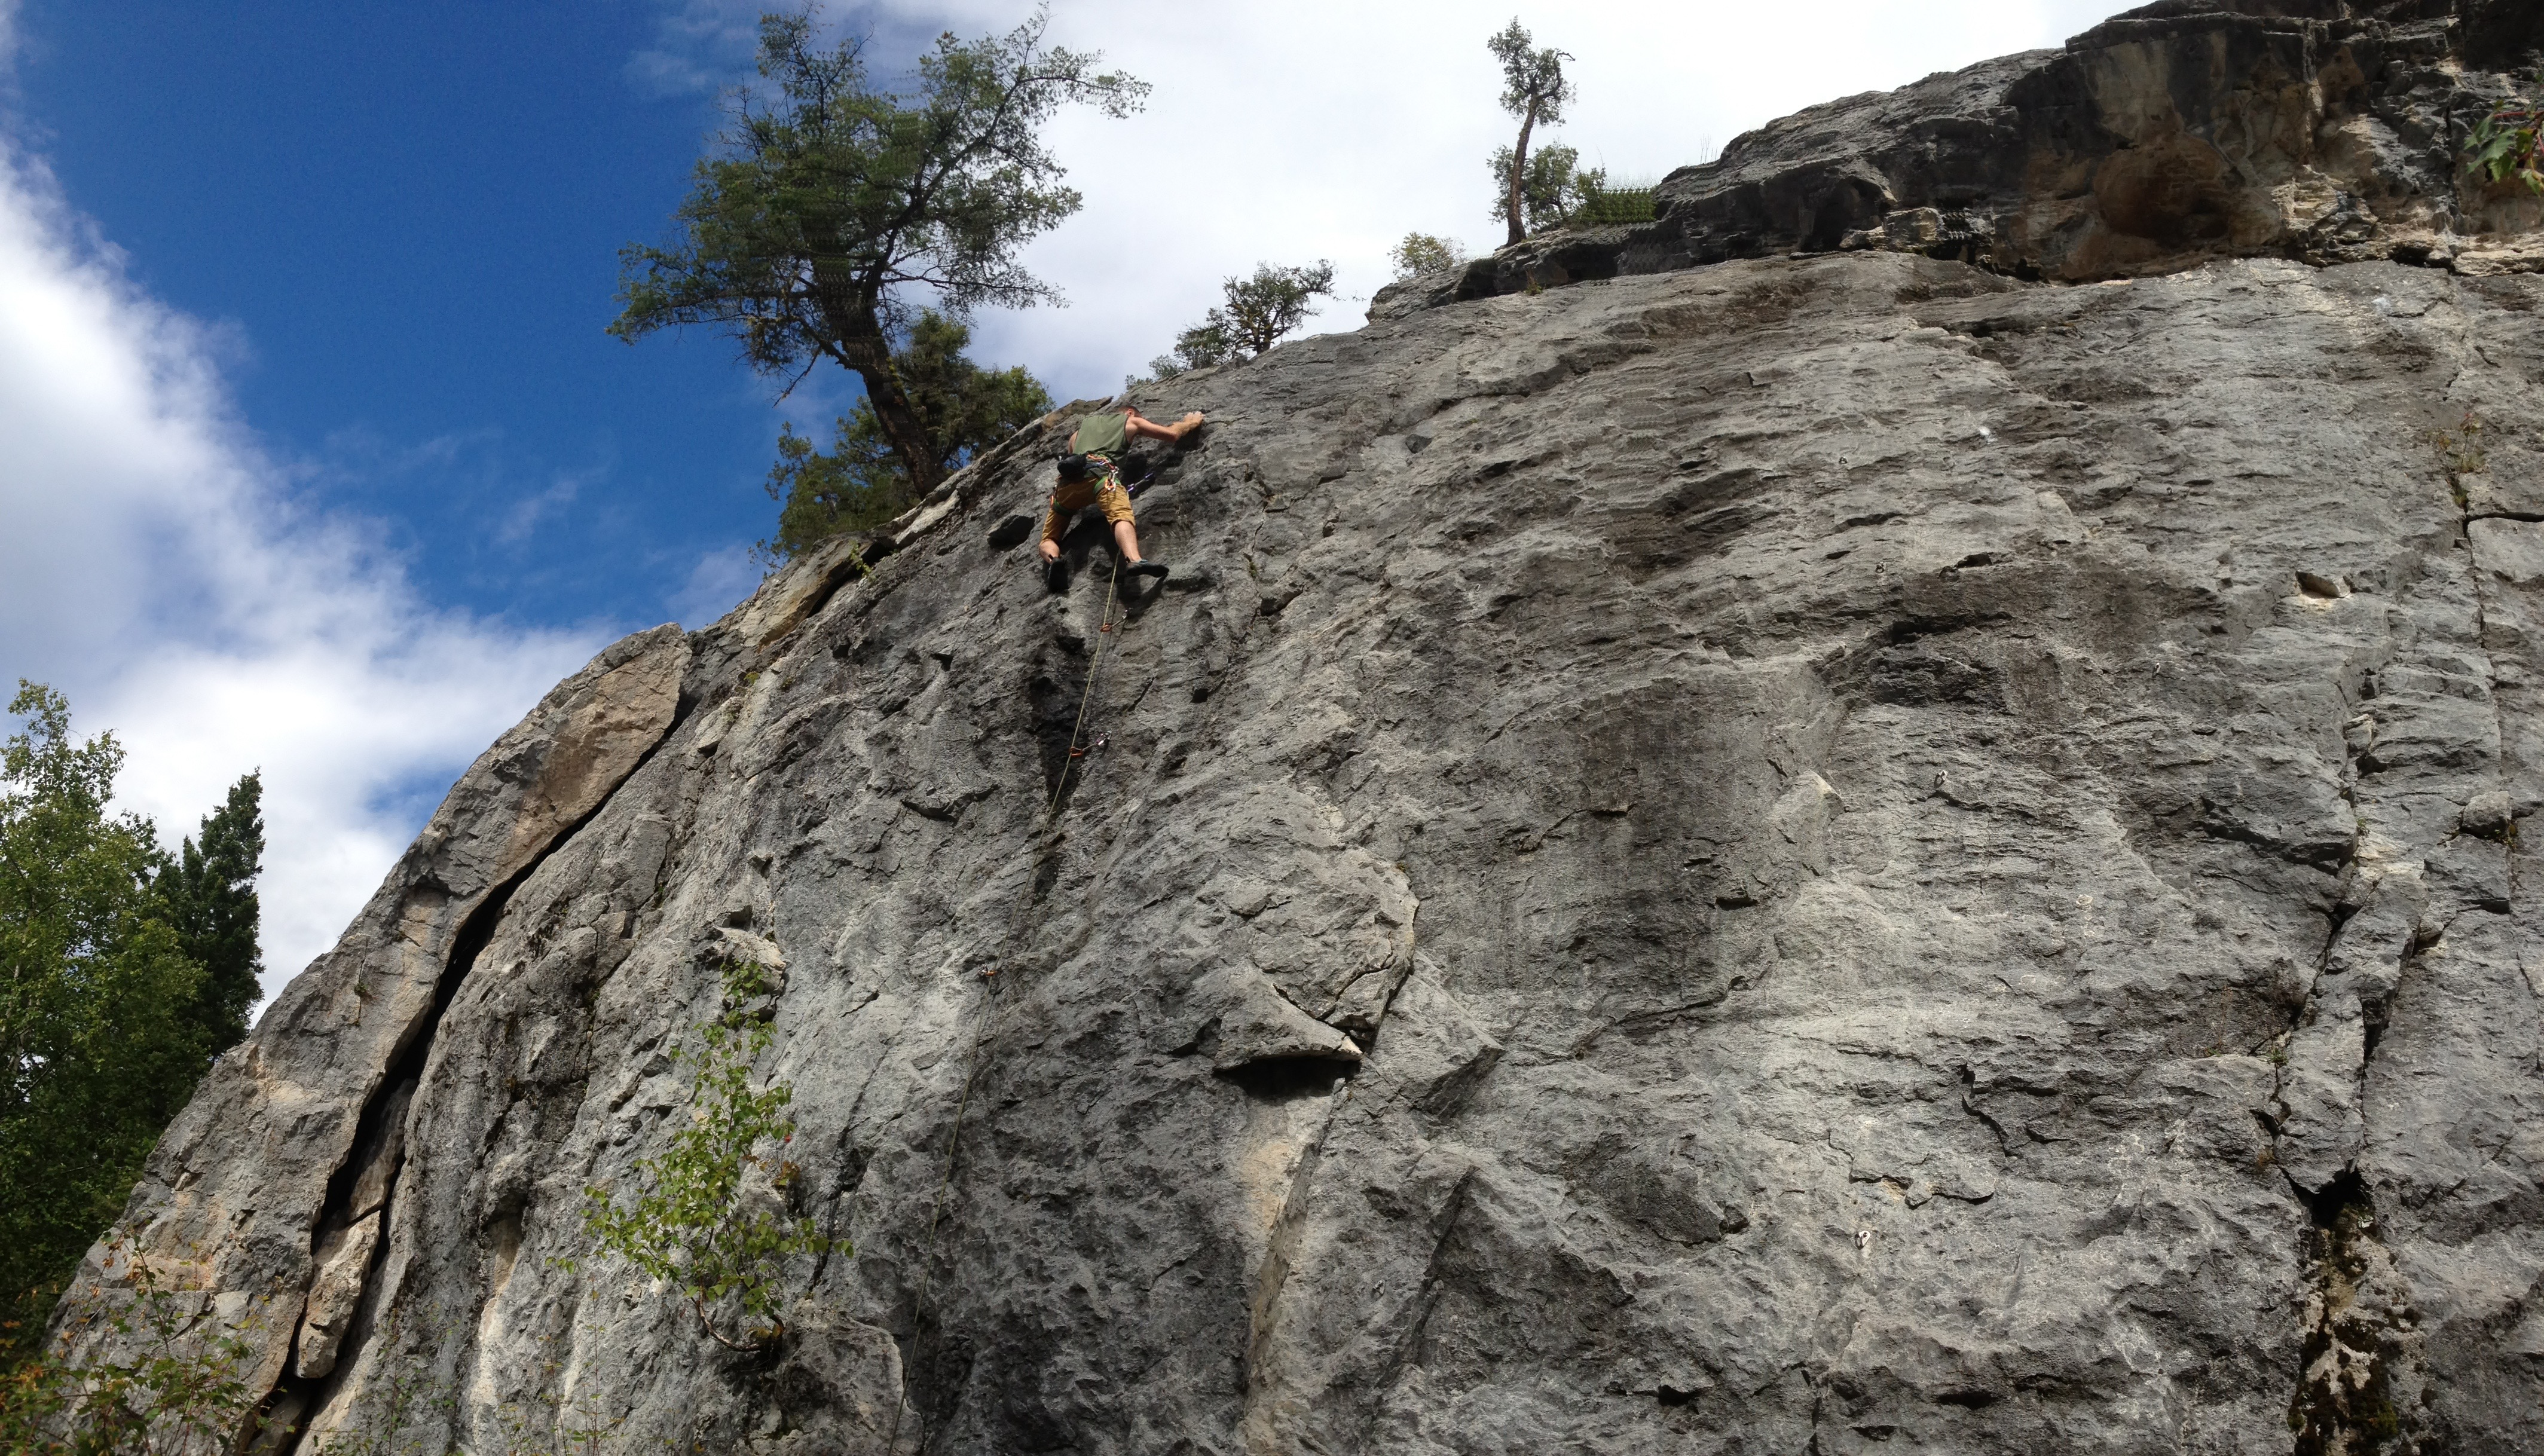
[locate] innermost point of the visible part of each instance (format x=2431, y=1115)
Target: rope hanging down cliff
x=1086, y=696
x=988, y=1018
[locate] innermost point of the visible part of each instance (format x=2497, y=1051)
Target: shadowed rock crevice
x=2358, y=1359
x=362, y=1193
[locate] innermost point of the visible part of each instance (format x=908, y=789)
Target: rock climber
x=1090, y=475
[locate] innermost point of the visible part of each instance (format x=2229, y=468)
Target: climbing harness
x=1079, y=469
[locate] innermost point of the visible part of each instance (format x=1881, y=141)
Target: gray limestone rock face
x=1830, y=856
x=1803, y=854
x=267, y=1188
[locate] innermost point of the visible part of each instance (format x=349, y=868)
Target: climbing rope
x=988, y=1017
x=1086, y=693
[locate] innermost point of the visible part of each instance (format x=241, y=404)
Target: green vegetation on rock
x=712, y=1221
x=1602, y=206
x=2508, y=146
x=1258, y=312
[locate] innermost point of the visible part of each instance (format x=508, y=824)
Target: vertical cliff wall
x=1799, y=852
x=1818, y=854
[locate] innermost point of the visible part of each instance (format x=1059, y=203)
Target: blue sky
x=314, y=457
x=404, y=220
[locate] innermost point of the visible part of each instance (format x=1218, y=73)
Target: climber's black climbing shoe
x=1155, y=569
x=1055, y=575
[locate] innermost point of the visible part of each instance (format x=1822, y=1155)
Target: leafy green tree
x=1259, y=310
x=106, y=1017
x=833, y=203
x=1553, y=188
x=1534, y=90
x=963, y=408
x=1421, y=253
x=710, y=1221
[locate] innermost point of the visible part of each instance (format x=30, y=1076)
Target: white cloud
x=1329, y=129
x=699, y=45
x=722, y=578
x=156, y=568
x=525, y=514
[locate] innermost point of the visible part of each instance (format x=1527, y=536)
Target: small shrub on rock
x=712, y=1221
x=184, y=1395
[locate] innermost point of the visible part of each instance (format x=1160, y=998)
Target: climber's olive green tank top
x=1101, y=434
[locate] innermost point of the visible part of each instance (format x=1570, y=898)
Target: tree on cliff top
x=1533, y=90
x=1421, y=253
x=1552, y=189
x=834, y=202
x=108, y=1015
x=859, y=482
x=1258, y=312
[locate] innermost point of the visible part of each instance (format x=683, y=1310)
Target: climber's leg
x=1066, y=503
x=1126, y=533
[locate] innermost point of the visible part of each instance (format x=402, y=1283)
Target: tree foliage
x=833, y=203
x=1553, y=188
x=712, y=1220
x=108, y=1013
x=1534, y=89
x=1420, y=253
x=860, y=482
x=2508, y=146
x=206, y=894
x=1258, y=312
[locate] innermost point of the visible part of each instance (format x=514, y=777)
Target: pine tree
x=207, y=895
x=836, y=201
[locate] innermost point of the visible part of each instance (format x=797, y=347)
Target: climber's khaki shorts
x=1104, y=491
